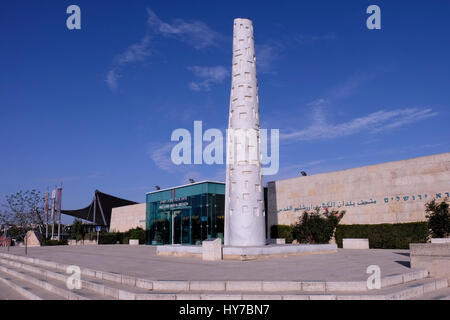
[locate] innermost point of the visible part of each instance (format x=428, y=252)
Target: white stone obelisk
x=244, y=195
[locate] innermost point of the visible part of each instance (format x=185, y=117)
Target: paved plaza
x=142, y=262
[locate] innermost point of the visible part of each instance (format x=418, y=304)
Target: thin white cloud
x=266, y=54
x=195, y=33
x=111, y=79
x=406, y=117
x=161, y=157
x=374, y=123
x=377, y=122
x=351, y=85
x=318, y=113
x=209, y=76
x=136, y=52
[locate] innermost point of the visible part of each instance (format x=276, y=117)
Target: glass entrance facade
x=187, y=214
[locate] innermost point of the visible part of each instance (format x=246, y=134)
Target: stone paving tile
x=142, y=261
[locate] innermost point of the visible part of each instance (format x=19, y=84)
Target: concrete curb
x=227, y=286
x=22, y=291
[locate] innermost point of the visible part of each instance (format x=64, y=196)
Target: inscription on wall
x=173, y=203
x=343, y=204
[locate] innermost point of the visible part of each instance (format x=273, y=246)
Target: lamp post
x=6, y=237
x=26, y=243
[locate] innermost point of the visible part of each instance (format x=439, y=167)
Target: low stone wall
x=212, y=250
x=245, y=253
x=178, y=250
x=434, y=257
x=276, y=241
x=81, y=242
x=133, y=242
x=355, y=243
x=440, y=240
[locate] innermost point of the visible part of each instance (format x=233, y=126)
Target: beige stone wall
x=393, y=192
x=128, y=217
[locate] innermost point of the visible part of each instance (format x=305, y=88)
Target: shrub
x=62, y=242
x=281, y=231
x=438, y=215
x=76, y=230
x=137, y=233
x=385, y=236
x=122, y=237
x=91, y=236
x=110, y=237
x=317, y=227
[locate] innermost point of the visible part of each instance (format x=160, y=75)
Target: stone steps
x=11, y=290
x=55, y=287
x=414, y=289
x=26, y=289
x=55, y=281
x=229, y=286
x=105, y=285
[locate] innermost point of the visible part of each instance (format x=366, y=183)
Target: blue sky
x=94, y=108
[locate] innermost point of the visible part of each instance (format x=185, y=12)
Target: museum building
x=392, y=192
x=186, y=214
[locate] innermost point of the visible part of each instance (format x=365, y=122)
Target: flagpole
x=52, y=217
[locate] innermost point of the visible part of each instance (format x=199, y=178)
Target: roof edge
x=185, y=185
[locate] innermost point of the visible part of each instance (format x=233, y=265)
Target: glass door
x=176, y=227
x=186, y=226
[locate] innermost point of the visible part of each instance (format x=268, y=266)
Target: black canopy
x=99, y=211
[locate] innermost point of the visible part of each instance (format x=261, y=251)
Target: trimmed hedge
x=281, y=231
x=110, y=237
x=122, y=237
x=62, y=242
x=385, y=236
x=137, y=233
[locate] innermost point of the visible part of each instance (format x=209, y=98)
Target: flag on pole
x=46, y=207
x=58, y=204
x=52, y=213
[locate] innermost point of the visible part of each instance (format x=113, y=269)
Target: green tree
x=137, y=233
x=76, y=230
x=438, y=215
x=317, y=227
